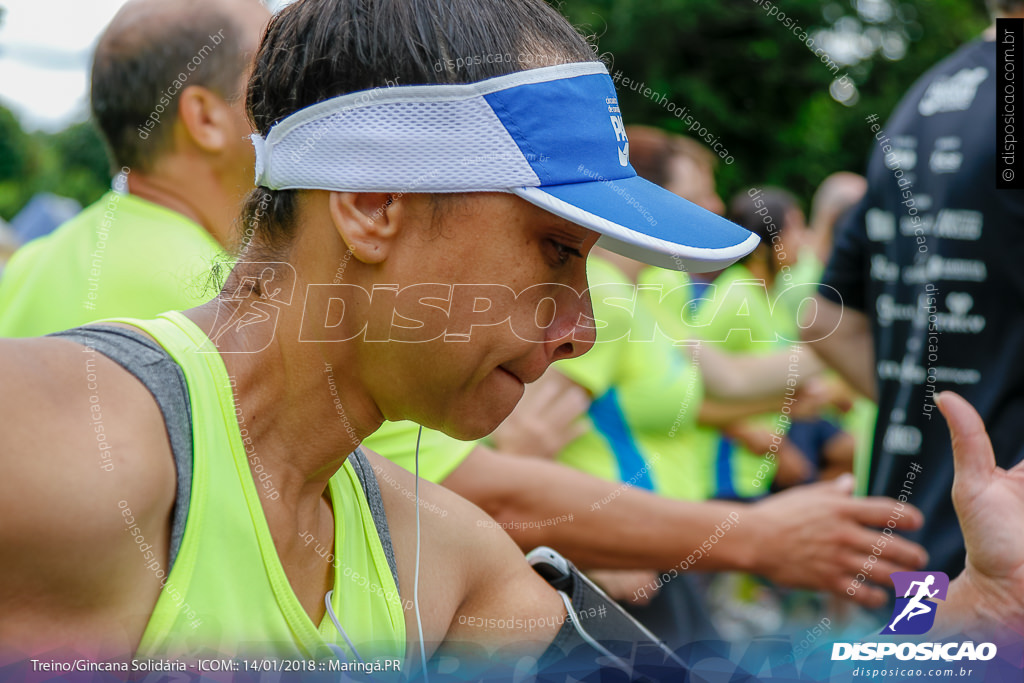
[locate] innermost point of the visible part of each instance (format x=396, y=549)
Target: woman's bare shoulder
x=82, y=439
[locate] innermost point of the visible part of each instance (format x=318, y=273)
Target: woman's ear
x=367, y=222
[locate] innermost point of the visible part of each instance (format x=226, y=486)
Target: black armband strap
x=597, y=632
x=567, y=640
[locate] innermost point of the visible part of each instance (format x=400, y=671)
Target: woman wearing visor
x=227, y=509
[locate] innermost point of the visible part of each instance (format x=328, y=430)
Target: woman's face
x=510, y=286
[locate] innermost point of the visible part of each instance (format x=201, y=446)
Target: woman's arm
x=74, y=574
x=812, y=536
x=730, y=377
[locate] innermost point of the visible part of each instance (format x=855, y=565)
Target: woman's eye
x=564, y=252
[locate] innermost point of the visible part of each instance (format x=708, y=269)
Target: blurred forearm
x=720, y=414
x=742, y=377
x=842, y=337
x=613, y=526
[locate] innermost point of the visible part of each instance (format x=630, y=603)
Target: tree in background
x=15, y=162
x=72, y=163
x=80, y=167
x=751, y=82
x=738, y=68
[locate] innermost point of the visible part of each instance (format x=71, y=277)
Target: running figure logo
x=914, y=613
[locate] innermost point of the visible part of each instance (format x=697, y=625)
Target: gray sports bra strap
x=368, y=479
x=151, y=365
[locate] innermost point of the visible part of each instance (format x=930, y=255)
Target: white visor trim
x=639, y=246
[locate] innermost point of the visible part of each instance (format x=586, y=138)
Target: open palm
x=990, y=504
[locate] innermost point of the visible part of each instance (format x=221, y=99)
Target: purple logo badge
x=914, y=612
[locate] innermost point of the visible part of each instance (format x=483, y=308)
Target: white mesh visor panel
x=405, y=146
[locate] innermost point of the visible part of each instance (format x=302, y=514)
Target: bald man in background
x=168, y=86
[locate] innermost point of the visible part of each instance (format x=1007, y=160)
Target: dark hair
x=777, y=203
x=317, y=49
x=142, y=63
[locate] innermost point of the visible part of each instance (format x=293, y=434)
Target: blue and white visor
x=553, y=136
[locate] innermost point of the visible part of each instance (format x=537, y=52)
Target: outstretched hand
x=818, y=536
x=990, y=504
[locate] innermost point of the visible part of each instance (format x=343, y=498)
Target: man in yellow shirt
x=168, y=84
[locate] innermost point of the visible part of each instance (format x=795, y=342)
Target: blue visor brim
x=645, y=222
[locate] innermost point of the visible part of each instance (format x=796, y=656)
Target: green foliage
x=751, y=82
x=14, y=147
x=72, y=163
x=80, y=168
x=742, y=75
x=16, y=155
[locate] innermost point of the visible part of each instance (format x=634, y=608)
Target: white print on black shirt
x=952, y=93
x=956, y=224
x=950, y=269
x=890, y=370
x=902, y=439
x=881, y=225
x=947, y=157
x=956, y=320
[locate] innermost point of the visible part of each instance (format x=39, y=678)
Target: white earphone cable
x=416, y=583
x=334, y=648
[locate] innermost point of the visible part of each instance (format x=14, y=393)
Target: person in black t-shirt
x=925, y=289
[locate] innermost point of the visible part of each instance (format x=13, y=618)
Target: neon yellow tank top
x=657, y=389
x=227, y=592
